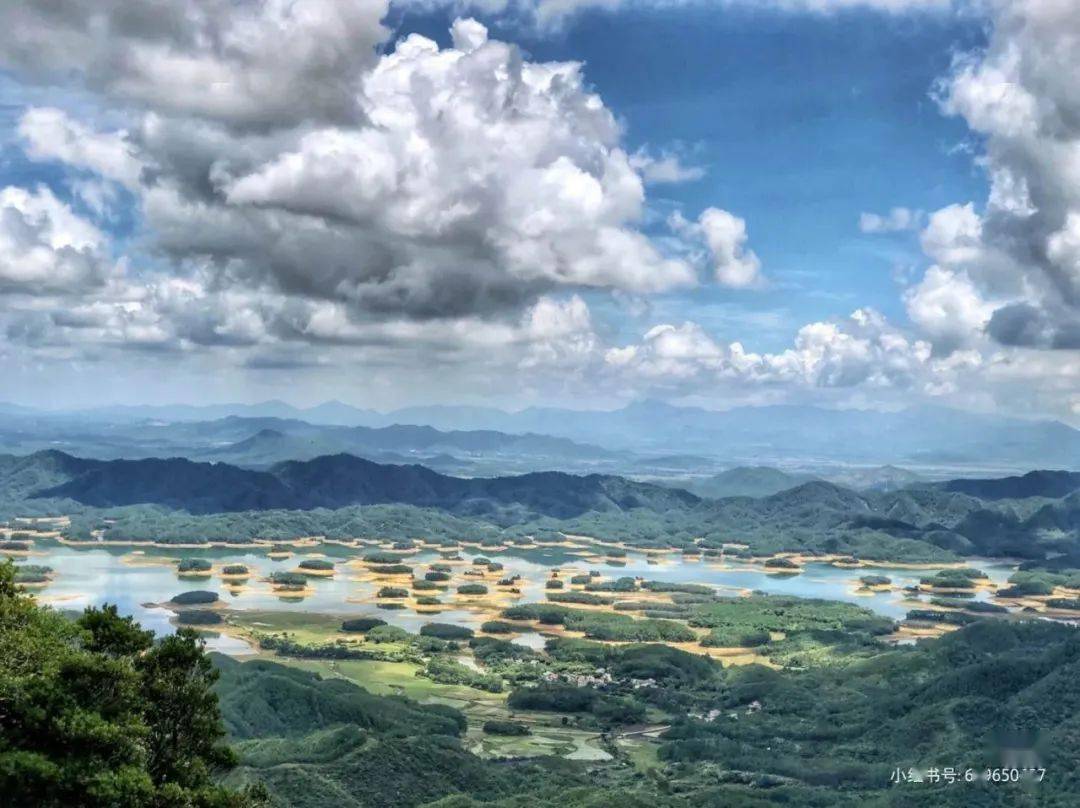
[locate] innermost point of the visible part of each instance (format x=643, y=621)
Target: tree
x=112, y=634
x=92, y=713
x=185, y=730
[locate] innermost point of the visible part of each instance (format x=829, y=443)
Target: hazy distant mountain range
x=774, y=435
x=263, y=441
x=927, y=435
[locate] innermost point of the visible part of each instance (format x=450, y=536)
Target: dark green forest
x=94, y=712
x=817, y=732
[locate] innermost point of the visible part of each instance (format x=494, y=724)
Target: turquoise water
x=96, y=575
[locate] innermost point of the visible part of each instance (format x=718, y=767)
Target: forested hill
x=1049, y=484
x=333, y=481
x=346, y=496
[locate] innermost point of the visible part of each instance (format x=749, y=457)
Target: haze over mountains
x=262, y=441
x=778, y=477
x=773, y=435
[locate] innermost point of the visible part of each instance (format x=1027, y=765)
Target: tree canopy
x=94, y=712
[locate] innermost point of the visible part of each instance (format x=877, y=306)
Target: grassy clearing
x=308, y=627
x=399, y=678
x=556, y=741
x=641, y=752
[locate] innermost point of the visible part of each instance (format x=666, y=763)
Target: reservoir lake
x=136, y=578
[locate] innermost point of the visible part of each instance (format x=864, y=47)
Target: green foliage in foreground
x=835, y=733
x=820, y=736
x=326, y=743
x=94, y=713
x=260, y=699
x=806, y=736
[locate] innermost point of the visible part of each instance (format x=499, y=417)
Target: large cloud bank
x=306, y=189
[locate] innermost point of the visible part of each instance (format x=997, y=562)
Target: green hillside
x=344, y=497
x=331, y=481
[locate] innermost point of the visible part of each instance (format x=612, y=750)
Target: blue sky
x=801, y=121
x=719, y=203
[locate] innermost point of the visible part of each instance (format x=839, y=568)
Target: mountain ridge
x=1052, y=484
x=330, y=481
x=925, y=435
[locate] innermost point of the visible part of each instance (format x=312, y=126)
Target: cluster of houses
x=599, y=678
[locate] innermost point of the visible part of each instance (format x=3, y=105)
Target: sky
x=848, y=203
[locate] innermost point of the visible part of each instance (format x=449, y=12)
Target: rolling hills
x=342, y=495
x=330, y=481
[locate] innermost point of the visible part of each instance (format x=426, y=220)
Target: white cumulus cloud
x=46, y=248
x=724, y=235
